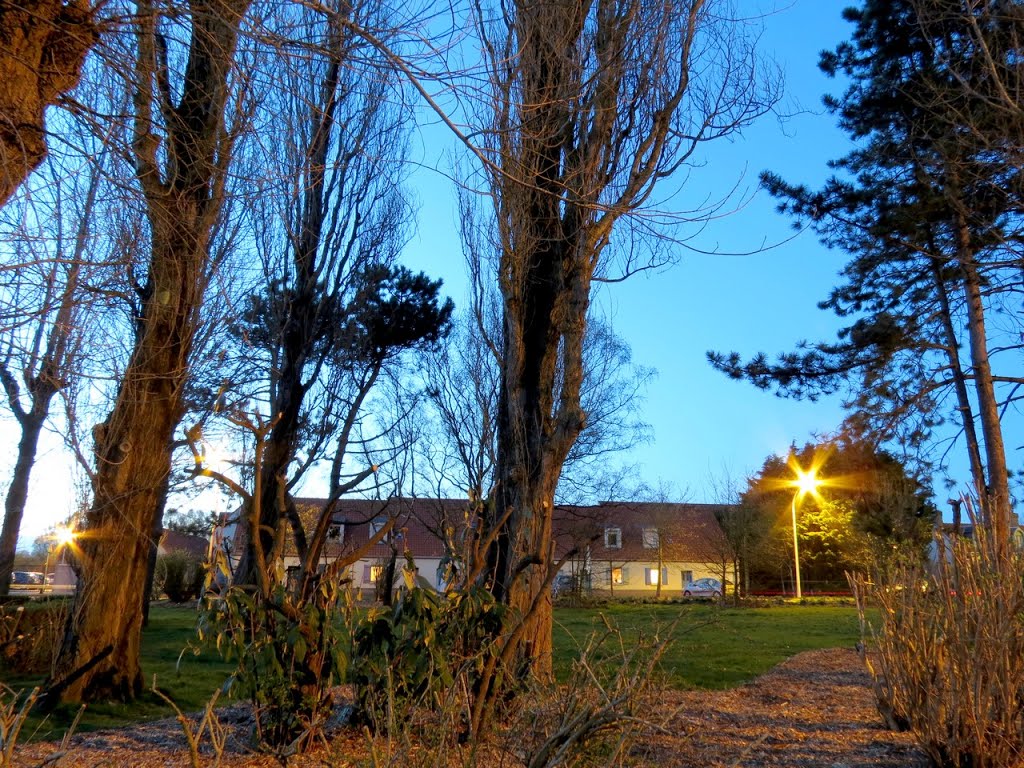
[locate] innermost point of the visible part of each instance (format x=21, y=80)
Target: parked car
x=703, y=588
x=27, y=578
x=562, y=584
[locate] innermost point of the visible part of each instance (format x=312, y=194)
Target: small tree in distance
x=867, y=511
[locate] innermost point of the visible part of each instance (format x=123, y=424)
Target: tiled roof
x=418, y=523
x=173, y=541
x=688, y=532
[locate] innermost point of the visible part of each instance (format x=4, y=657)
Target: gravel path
x=813, y=710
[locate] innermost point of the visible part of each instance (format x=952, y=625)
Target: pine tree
x=926, y=205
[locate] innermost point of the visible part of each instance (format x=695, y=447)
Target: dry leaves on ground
x=814, y=710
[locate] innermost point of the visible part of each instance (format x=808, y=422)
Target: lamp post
x=805, y=483
x=62, y=537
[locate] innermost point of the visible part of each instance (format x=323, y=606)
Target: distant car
x=562, y=585
x=703, y=588
x=26, y=578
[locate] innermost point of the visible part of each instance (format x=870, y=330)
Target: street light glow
x=63, y=535
x=806, y=482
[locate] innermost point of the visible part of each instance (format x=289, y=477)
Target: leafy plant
x=414, y=653
x=289, y=655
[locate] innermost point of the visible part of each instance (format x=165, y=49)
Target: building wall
x=364, y=573
x=637, y=577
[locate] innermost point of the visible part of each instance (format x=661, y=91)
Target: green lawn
x=190, y=684
x=713, y=648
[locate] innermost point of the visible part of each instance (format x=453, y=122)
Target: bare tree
x=335, y=310
x=745, y=527
x=591, y=105
x=42, y=354
x=183, y=88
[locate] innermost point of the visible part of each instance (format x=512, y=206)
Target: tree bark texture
x=132, y=463
x=42, y=46
x=99, y=658
x=994, y=490
x=544, y=280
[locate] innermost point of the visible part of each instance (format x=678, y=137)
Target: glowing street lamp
x=62, y=536
x=805, y=483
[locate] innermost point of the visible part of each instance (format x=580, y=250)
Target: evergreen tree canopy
x=927, y=205
x=866, y=508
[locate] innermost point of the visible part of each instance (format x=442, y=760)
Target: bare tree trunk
x=99, y=658
x=17, y=493
x=154, y=545
x=133, y=460
x=590, y=110
x=958, y=376
x=994, y=494
x=42, y=47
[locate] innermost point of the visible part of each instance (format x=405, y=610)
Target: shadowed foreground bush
x=948, y=657
x=30, y=635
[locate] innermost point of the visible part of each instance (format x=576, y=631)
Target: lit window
x=650, y=538
x=613, y=538
x=652, y=577
x=376, y=573
x=616, y=576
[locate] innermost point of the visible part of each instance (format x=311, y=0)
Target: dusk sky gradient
x=705, y=426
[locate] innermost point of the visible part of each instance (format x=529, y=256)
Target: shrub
x=290, y=653
x=411, y=654
x=30, y=635
x=180, y=576
x=589, y=721
x=948, y=657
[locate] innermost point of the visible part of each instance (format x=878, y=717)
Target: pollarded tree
x=590, y=106
x=44, y=46
x=928, y=206
x=183, y=88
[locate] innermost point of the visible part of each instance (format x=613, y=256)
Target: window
x=336, y=533
x=652, y=577
x=687, y=577
x=616, y=576
x=376, y=573
x=650, y=538
x=376, y=525
x=613, y=538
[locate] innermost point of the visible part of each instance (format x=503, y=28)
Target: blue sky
x=705, y=426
